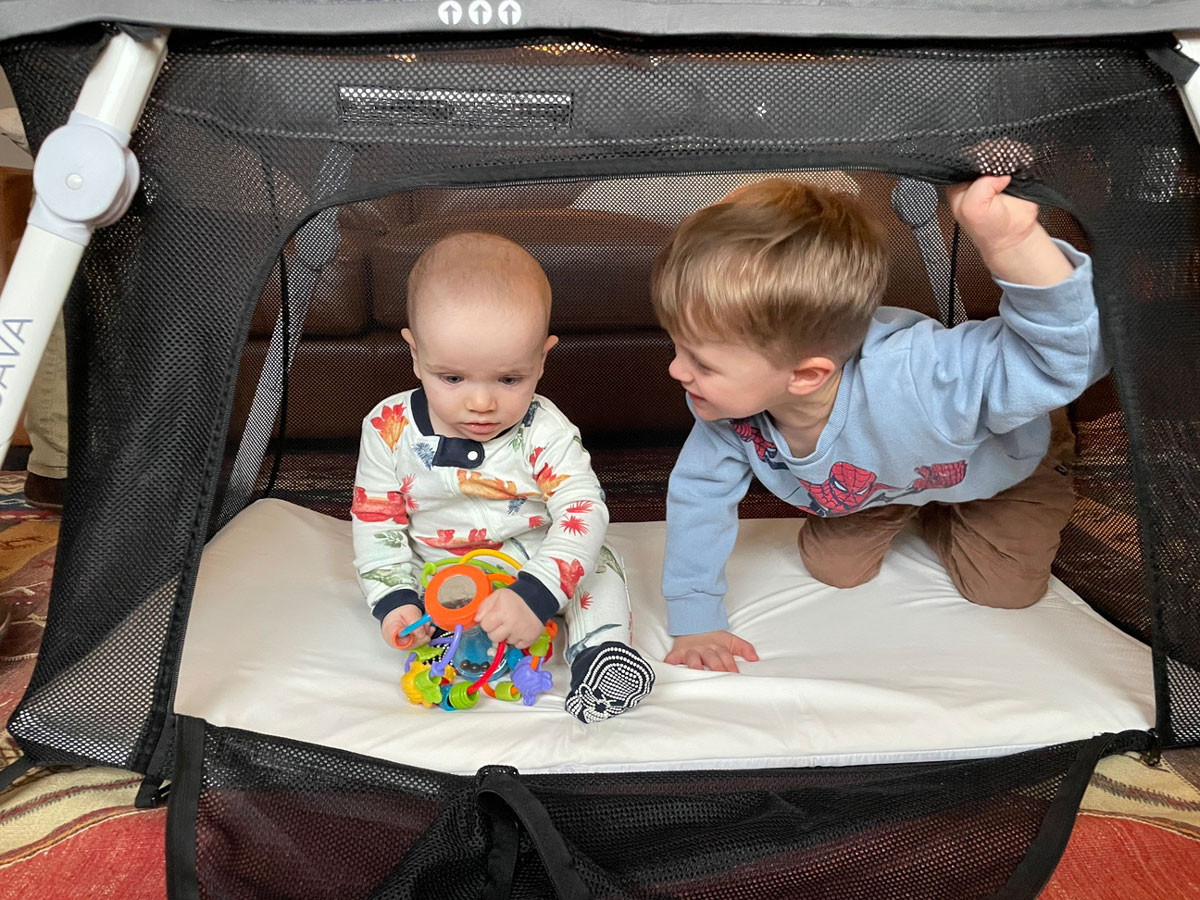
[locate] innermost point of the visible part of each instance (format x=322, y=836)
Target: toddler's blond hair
x=790, y=269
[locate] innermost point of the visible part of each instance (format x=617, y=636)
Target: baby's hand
x=399, y=619
x=505, y=616
x=710, y=650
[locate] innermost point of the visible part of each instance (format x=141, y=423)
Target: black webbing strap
x=509, y=805
x=152, y=792
x=1043, y=854
x=1171, y=59
x=14, y=770
x=143, y=34
x=184, y=808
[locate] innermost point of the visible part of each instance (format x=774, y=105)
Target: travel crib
x=230, y=330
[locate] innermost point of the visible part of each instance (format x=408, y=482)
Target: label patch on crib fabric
x=455, y=108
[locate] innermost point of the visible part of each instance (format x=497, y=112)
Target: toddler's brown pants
x=998, y=551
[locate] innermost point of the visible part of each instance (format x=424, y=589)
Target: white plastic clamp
x=84, y=177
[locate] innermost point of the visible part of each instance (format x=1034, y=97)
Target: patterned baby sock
x=606, y=681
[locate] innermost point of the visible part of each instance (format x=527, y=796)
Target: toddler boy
x=865, y=417
x=474, y=459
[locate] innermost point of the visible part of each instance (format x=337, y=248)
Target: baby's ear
x=551, y=340
x=412, y=346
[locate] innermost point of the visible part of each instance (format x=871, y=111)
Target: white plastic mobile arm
x=84, y=178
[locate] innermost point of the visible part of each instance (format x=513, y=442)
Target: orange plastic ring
x=449, y=617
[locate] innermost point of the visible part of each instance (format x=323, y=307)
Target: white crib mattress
x=901, y=669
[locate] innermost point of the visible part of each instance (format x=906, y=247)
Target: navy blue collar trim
x=458, y=453
x=419, y=406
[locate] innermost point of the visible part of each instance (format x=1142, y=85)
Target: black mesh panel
x=244, y=802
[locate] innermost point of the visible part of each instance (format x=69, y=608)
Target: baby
x=473, y=459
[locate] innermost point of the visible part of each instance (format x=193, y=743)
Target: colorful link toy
x=454, y=589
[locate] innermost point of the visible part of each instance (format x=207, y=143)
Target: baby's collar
x=419, y=407
x=460, y=453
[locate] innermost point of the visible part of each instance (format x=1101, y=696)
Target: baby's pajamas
x=530, y=493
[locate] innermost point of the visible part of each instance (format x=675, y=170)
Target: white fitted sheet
x=901, y=669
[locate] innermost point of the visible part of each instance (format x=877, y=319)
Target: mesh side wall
x=245, y=139
x=372, y=829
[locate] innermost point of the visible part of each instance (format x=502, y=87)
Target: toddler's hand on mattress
x=710, y=650
x=399, y=619
x=505, y=616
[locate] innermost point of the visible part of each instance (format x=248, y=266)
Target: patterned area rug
x=74, y=833
x=64, y=833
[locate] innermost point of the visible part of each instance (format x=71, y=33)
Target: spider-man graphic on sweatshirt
x=850, y=488
x=923, y=413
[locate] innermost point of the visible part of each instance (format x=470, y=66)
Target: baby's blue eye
x=510, y=380
x=452, y=379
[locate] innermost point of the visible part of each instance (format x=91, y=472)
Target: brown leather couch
x=596, y=241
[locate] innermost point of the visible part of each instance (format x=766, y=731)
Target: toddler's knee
x=847, y=581
x=840, y=576
x=848, y=551
x=1009, y=596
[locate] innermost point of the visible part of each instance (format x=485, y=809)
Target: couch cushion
x=332, y=384
x=598, y=255
x=338, y=307
x=378, y=215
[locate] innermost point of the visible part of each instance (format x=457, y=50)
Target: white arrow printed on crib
x=480, y=12
x=450, y=12
x=509, y=12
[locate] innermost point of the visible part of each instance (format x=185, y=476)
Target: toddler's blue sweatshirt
x=923, y=413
